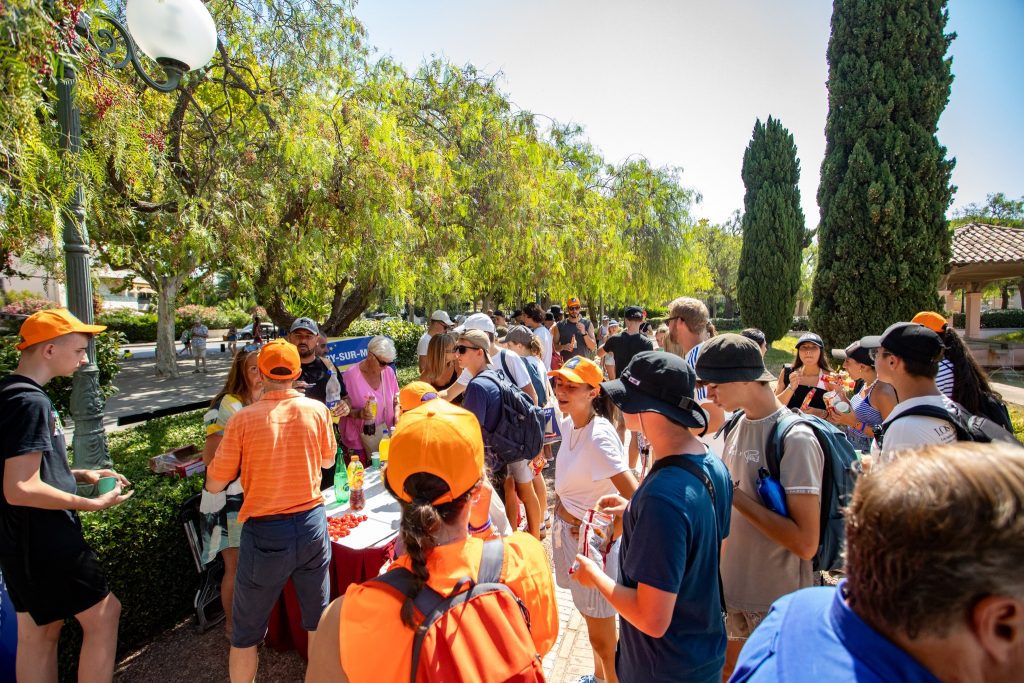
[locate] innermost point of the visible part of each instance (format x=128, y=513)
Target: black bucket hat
x=658, y=382
x=731, y=358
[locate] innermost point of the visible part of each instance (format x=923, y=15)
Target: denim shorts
x=271, y=552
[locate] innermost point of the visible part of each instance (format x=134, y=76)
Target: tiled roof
x=980, y=243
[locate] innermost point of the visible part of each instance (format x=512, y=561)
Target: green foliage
x=773, y=230
x=405, y=335
x=801, y=323
x=721, y=246
x=108, y=360
x=885, y=180
x=137, y=328
x=727, y=324
x=1010, y=317
x=29, y=305
x=1009, y=338
x=997, y=210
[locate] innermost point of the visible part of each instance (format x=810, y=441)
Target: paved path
x=1011, y=394
x=572, y=656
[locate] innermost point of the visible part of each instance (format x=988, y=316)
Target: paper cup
x=106, y=484
x=375, y=459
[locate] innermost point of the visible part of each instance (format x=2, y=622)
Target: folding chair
x=209, y=611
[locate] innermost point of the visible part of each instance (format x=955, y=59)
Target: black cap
x=731, y=358
x=812, y=338
x=855, y=352
x=549, y=316
x=658, y=382
x=633, y=313
x=498, y=314
x=908, y=340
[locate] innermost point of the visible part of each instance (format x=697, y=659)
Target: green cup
x=375, y=459
x=106, y=484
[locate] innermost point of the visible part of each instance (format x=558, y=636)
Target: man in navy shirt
x=934, y=588
x=668, y=594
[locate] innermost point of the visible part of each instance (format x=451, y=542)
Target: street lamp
x=179, y=35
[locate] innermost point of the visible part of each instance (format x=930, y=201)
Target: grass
x=1010, y=337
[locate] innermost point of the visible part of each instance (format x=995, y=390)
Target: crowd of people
x=688, y=543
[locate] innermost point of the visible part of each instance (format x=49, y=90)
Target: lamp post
x=179, y=35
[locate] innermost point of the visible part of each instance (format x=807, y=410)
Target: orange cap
x=415, y=394
x=279, y=360
x=436, y=438
x=572, y=301
x=579, y=370
x=42, y=326
x=935, y=322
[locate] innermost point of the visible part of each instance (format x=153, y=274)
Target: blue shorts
x=272, y=551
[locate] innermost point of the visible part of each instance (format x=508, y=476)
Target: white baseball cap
x=441, y=317
x=478, y=321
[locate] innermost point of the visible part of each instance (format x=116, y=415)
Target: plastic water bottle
x=357, y=498
x=341, y=490
x=771, y=492
x=370, y=423
x=384, y=447
x=333, y=397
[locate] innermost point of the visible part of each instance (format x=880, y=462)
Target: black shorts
x=54, y=588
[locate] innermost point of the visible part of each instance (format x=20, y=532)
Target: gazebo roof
x=984, y=253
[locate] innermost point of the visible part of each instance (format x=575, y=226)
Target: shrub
x=138, y=328
x=405, y=335
x=108, y=359
x=801, y=324
x=29, y=305
x=727, y=324
x=960, y=320
x=212, y=317
x=1010, y=317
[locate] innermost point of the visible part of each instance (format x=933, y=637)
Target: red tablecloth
x=348, y=566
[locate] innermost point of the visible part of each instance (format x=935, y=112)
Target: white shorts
x=588, y=601
x=199, y=351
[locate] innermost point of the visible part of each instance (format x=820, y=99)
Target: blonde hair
x=691, y=311
x=435, y=364
x=932, y=532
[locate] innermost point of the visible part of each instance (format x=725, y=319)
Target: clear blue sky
x=682, y=81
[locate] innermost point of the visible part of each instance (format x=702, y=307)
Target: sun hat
x=414, y=394
x=812, y=338
x=658, y=382
x=42, y=326
x=580, y=370
x=519, y=334
x=855, y=352
x=279, y=359
x=304, y=324
x=477, y=340
x=935, y=322
x=436, y=438
x=478, y=321
x=731, y=358
x=633, y=313
x=908, y=340
x=441, y=317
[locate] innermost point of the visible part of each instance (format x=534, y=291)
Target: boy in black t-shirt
x=51, y=572
x=623, y=347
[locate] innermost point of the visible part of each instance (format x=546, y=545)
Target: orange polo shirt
x=376, y=646
x=279, y=444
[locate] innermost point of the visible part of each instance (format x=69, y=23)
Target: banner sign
x=346, y=352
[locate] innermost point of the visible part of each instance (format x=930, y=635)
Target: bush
x=108, y=359
x=405, y=335
x=140, y=543
x=212, y=317
x=28, y=305
x=138, y=328
x=726, y=324
x=801, y=324
x=999, y=318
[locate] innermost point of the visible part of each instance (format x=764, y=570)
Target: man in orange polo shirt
x=279, y=444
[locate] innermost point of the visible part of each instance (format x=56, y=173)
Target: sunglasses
x=461, y=349
x=379, y=361
x=875, y=354
x=572, y=309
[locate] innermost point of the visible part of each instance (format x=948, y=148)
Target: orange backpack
x=479, y=633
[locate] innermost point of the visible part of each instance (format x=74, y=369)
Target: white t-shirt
x=424, y=342
x=544, y=335
x=520, y=375
x=915, y=430
x=587, y=460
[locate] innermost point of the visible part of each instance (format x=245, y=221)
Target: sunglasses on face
x=461, y=349
x=573, y=309
x=379, y=361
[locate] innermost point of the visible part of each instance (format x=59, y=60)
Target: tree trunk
x=1004, y=291
x=166, y=356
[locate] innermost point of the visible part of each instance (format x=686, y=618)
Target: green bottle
x=341, y=492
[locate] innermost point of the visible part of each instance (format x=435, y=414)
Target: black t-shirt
x=316, y=372
x=29, y=424
x=796, y=400
x=566, y=331
x=624, y=346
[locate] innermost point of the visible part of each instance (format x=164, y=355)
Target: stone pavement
x=571, y=656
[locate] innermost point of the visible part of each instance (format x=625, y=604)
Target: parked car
x=265, y=331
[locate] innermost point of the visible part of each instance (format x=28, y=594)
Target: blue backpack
x=837, y=479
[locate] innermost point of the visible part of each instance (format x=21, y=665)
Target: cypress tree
x=773, y=230
x=883, y=239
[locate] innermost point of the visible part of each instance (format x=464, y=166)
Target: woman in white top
x=591, y=463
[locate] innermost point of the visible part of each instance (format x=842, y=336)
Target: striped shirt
x=700, y=395
x=279, y=444
x=944, y=380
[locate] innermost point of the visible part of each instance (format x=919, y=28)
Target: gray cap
x=520, y=334
x=304, y=324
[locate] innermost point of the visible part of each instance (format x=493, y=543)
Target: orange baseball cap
x=936, y=322
x=415, y=394
x=436, y=438
x=279, y=360
x=42, y=326
x=579, y=370
x=572, y=301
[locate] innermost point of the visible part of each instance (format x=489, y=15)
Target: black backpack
x=838, y=477
x=994, y=408
x=519, y=434
x=968, y=427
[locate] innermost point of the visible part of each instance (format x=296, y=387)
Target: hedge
x=998, y=318
x=140, y=543
x=405, y=335
x=108, y=359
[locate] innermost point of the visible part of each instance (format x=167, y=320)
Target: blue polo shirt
x=813, y=635
x=670, y=536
